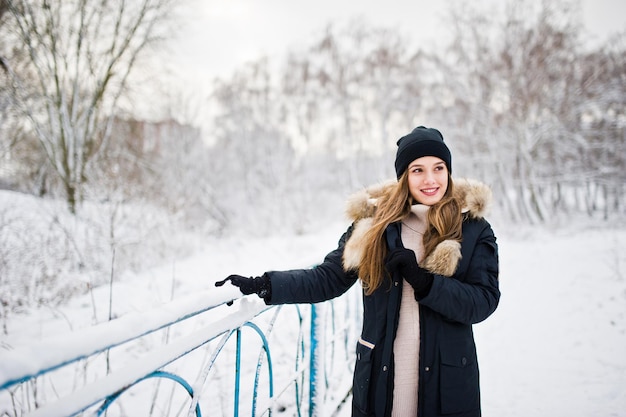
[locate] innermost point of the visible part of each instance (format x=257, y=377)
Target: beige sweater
x=407, y=342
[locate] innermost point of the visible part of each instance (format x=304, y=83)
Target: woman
x=428, y=265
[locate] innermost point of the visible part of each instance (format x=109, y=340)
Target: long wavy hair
x=444, y=222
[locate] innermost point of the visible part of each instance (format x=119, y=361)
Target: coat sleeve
x=471, y=296
x=320, y=283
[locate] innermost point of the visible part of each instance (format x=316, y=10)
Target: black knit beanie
x=422, y=141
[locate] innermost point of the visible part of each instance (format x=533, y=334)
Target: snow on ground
x=554, y=347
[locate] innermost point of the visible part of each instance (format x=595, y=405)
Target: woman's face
x=428, y=179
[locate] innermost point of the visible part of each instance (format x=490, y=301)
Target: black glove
x=404, y=261
x=253, y=285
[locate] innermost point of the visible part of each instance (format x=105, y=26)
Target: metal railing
x=295, y=352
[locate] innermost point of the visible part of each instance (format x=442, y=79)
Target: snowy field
x=555, y=346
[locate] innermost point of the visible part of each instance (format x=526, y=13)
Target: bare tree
x=517, y=97
x=338, y=66
x=80, y=56
x=603, y=111
x=470, y=99
x=253, y=158
x=539, y=64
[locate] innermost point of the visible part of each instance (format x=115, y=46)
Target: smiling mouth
x=430, y=191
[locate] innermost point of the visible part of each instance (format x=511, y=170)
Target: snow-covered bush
x=47, y=255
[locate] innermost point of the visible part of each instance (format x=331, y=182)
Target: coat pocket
x=459, y=379
x=362, y=375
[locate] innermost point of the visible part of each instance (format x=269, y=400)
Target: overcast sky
x=221, y=35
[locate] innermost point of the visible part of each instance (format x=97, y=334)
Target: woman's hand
x=404, y=261
x=252, y=285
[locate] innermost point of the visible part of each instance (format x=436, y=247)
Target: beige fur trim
x=444, y=259
x=477, y=196
x=362, y=204
x=355, y=246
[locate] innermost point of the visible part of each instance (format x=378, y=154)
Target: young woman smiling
x=428, y=264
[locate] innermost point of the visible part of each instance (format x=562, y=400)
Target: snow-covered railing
x=324, y=334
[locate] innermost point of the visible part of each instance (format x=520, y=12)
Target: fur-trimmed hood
x=444, y=259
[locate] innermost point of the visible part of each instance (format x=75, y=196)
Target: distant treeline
x=525, y=103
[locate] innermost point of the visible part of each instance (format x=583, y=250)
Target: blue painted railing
x=103, y=369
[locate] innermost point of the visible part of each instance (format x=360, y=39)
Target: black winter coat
x=448, y=373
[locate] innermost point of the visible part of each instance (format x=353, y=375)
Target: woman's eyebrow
x=422, y=165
